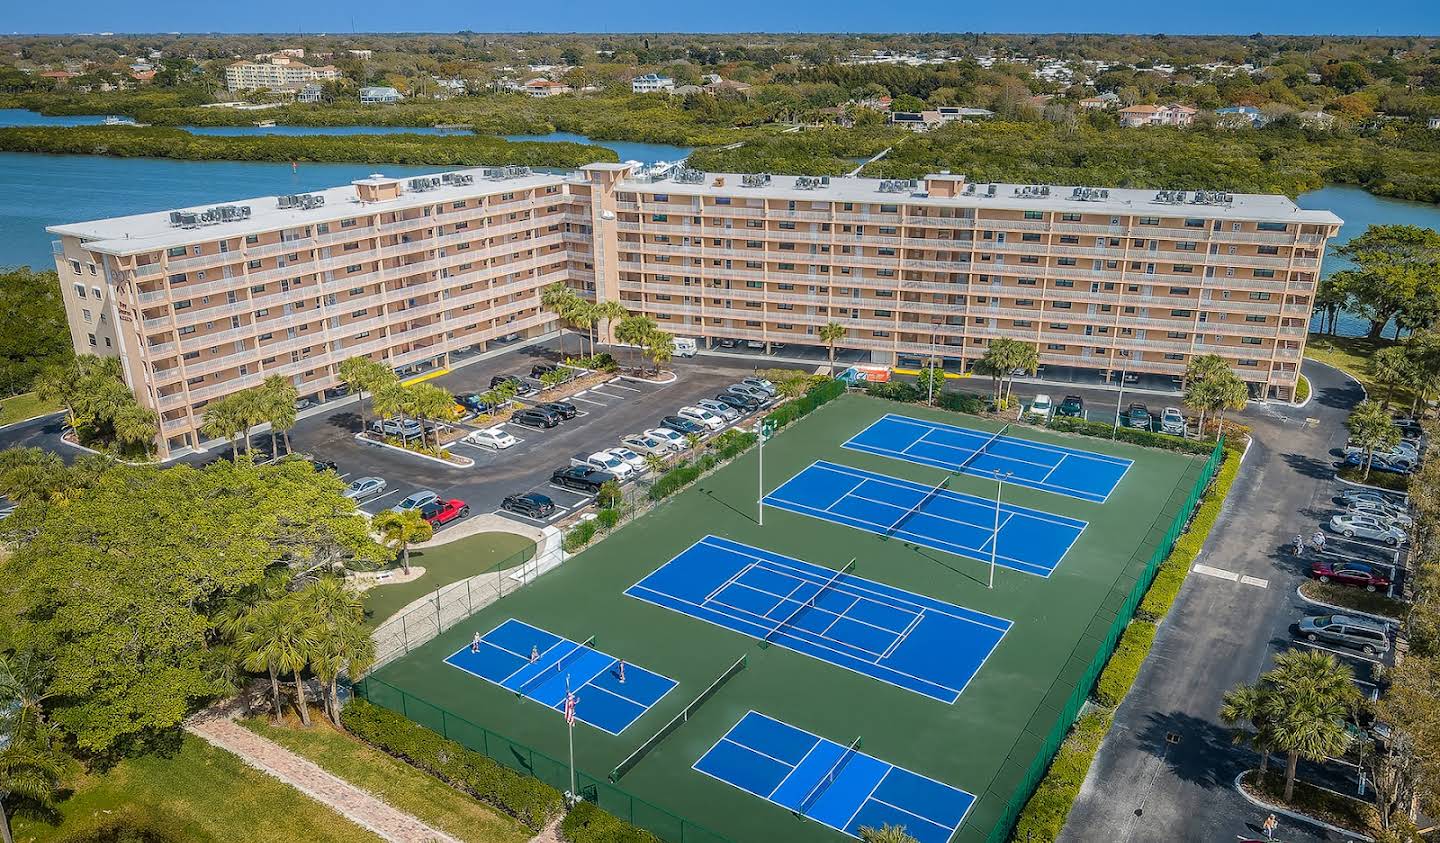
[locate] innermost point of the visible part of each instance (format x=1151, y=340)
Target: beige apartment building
x=421, y=272
x=278, y=72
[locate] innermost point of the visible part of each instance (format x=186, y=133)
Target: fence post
x=405, y=632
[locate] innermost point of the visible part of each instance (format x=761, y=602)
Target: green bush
x=579, y=536
x=587, y=823
x=681, y=476
x=527, y=799
x=1130, y=435
x=818, y=395
x=607, y=518
x=1388, y=480
x=1171, y=574
x=1124, y=665
x=962, y=402
x=609, y=495
x=1045, y=813
x=895, y=391
x=732, y=443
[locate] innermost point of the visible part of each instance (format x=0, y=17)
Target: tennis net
x=549, y=671
x=965, y=463
x=828, y=779
x=810, y=603
x=677, y=721
x=929, y=496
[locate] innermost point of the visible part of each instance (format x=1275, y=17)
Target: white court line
x=900, y=639
x=747, y=747
x=797, y=766
x=1046, y=478
x=840, y=499
x=727, y=583
x=781, y=600
x=861, y=806
x=855, y=601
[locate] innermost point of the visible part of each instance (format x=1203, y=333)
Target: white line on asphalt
x=618, y=386
x=1255, y=581
x=1218, y=573
x=383, y=495
x=1346, y=653
x=346, y=474
x=588, y=401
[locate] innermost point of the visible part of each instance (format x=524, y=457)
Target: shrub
x=895, y=391
x=579, y=536
x=818, y=395
x=1045, y=813
x=1130, y=435
x=606, y=519
x=1124, y=665
x=609, y=495
x=1388, y=480
x=602, y=362
x=680, y=476
x=962, y=402
x=529, y=800
x=732, y=443
x=587, y=823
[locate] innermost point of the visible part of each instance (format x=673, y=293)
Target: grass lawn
x=1353, y=598
x=443, y=565
x=200, y=794
x=1387, y=480
x=1351, y=355
x=399, y=784
x=25, y=406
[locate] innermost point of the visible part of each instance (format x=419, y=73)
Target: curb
x=466, y=461
x=31, y=419
x=1285, y=812
x=1387, y=620
x=657, y=381
x=77, y=446
x=1381, y=489
x=1309, y=396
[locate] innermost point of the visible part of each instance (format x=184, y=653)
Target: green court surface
x=982, y=743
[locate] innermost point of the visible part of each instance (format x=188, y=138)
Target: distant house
x=1240, y=116
x=379, y=95
x=715, y=85
x=875, y=103
x=541, y=88
x=1316, y=118
x=651, y=83
x=61, y=77
x=143, y=76
x=1103, y=102
x=311, y=93
x=1157, y=115
x=1433, y=123
x=949, y=113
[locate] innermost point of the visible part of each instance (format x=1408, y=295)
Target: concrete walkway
x=363, y=809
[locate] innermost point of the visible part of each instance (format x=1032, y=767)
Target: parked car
x=1401, y=449
x=754, y=344
x=404, y=428
x=629, y=457
x=1369, y=637
x=760, y=383
x=1040, y=409
x=1138, y=417
x=682, y=425
x=472, y=402
x=683, y=346
x=521, y=387
x=530, y=504
x=673, y=439
x=494, y=438
x=539, y=370
x=581, y=478
x=1073, y=407
x=751, y=391
x=604, y=461
x=727, y=342
x=365, y=488
x=743, y=403
x=1394, y=463
x=1350, y=497
x=1367, y=527
x=323, y=464
x=1409, y=428
x=701, y=416
x=415, y=500
x=1383, y=512
x=564, y=409
x=1367, y=577
x=719, y=408
x=642, y=443
x=442, y=512
x=1172, y=421
x=536, y=417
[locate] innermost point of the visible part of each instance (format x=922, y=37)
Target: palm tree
x=399, y=530
x=342, y=643
x=280, y=397
x=222, y=421
x=31, y=764
x=1370, y=427
x=1247, y=704
x=362, y=374
x=659, y=347
x=585, y=316
x=391, y=400
x=31, y=772
x=885, y=834
x=56, y=382
x=635, y=330
x=429, y=402
x=135, y=425
x=561, y=300
x=277, y=637
x=250, y=407
x=609, y=310
x=793, y=387
x=656, y=464
x=1392, y=367
x=830, y=334
x=693, y=440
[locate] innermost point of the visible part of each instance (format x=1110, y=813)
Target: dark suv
x=1073, y=406
x=536, y=417
x=529, y=504
x=564, y=409
x=521, y=387
x=581, y=478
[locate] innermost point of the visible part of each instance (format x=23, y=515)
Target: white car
x=759, y=383
x=673, y=440
x=606, y=461
x=629, y=457
x=1383, y=512
x=702, y=417
x=365, y=487
x=1172, y=421
x=1040, y=408
x=415, y=501
x=719, y=408
x=495, y=438
x=1366, y=527
x=645, y=444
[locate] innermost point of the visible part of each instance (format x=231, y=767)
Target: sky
x=1298, y=17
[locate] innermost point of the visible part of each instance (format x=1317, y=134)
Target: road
x=1167, y=767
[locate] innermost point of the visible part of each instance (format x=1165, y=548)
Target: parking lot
x=605, y=413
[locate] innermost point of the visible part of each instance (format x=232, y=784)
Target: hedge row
x=819, y=395
x=587, y=823
x=909, y=393
x=1145, y=438
x=726, y=446
x=527, y=799
x=1045, y=812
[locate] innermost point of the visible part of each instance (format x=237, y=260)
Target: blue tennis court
x=830, y=783
x=908, y=640
x=537, y=664
x=1050, y=468
x=1030, y=541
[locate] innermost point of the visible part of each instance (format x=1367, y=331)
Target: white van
x=683, y=346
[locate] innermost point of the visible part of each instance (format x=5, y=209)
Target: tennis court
x=830, y=783
x=1030, y=541
x=540, y=666
x=908, y=640
x=1049, y=468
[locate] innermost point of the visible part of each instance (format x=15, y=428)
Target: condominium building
x=279, y=72
x=651, y=83
x=201, y=303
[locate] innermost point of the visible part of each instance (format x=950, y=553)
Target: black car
x=581, y=478
x=521, y=387
x=536, y=417
x=563, y=409
x=682, y=425
x=1138, y=417
x=539, y=370
x=739, y=402
x=530, y=504
x=473, y=402
x=1073, y=406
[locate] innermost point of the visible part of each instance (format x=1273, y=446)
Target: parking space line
x=1343, y=653
x=1218, y=573
x=618, y=386
x=383, y=495
x=587, y=401
x=1255, y=581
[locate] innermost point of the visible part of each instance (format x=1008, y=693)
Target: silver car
x=719, y=408
x=365, y=488
x=1367, y=527
x=1383, y=512
x=1367, y=636
x=415, y=501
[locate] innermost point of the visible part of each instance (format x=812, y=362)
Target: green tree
x=1212, y=387
x=391, y=400
x=429, y=402
x=361, y=375
x=1247, y=705
x=34, y=333
x=830, y=334
x=31, y=763
x=562, y=300
x=278, y=637
x=610, y=312
x=279, y=396
x=1371, y=428
x=399, y=530
x=1003, y=358
x=134, y=427
x=340, y=643
x=223, y=420
x=660, y=348
x=1330, y=299
x=1396, y=268
x=635, y=331
x=885, y=834
x=931, y=380
x=1393, y=367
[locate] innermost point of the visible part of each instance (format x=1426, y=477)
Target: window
x=1034, y=215
x=1179, y=291
x=1064, y=282
x=1185, y=245
x=1065, y=262
x=1070, y=217
x=1264, y=273
x=1171, y=356
x=1194, y=223
x=1054, y=347
x=80, y=290
x=75, y=266
x=1175, y=335
x=722, y=200
x=1259, y=297
x=1182, y=313
x=182, y=304
x=1149, y=220
x=1253, y=318
x=889, y=209
x=659, y=217
x=252, y=239
x=1183, y=268
x=354, y=267
x=350, y=223
x=1271, y=226
x=1250, y=340
x=175, y=251
x=1059, y=326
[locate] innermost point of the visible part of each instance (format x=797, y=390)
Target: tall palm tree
x=399, y=530
x=885, y=834
x=361, y=374
x=585, y=315
x=277, y=637
x=222, y=421
x=391, y=400
x=250, y=409
x=1248, y=704
x=635, y=331
x=830, y=334
x=429, y=402
x=280, y=398
x=135, y=425
x=659, y=347
x=341, y=641
x=31, y=771
x=560, y=299
x=608, y=311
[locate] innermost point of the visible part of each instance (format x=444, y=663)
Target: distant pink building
x=1157, y=115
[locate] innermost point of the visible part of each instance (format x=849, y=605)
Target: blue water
x=647, y=153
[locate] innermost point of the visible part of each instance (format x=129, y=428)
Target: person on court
x=475, y=643
x=534, y=653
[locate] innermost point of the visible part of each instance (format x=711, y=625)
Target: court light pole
x=1115, y=429
x=767, y=429
x=995, y=537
